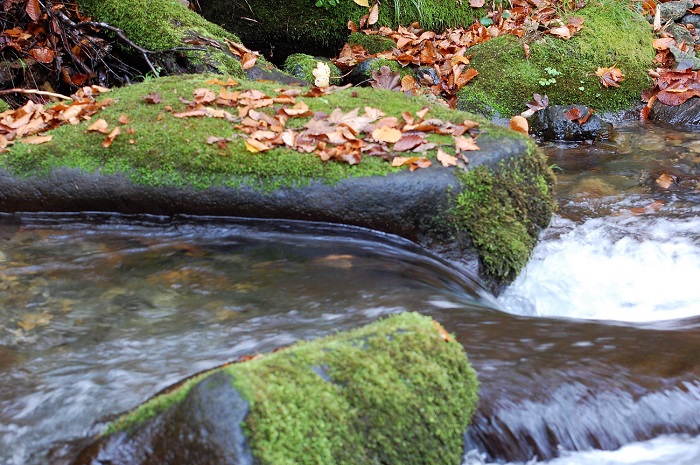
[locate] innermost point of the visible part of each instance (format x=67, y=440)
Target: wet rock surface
x=204, y=429
x=687, y=113
x=554, y=124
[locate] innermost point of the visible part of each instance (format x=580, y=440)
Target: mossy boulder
x=400, y=390
x=279, y=29
x=301, y=66
x=614, y=34
x=162, y=164
x=159, y=25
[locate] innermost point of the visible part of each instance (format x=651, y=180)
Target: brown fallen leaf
x=153, y=98
x=373, y=14
x=386, y=134
x=99, y=126
x=255, y=146
x=610, y=76
x=36, y=140
x=446, y=159
x=465, y=143
x=519, y=123
x=409, y=142
x=107, y=143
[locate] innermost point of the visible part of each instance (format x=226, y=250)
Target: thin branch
x=35, y=91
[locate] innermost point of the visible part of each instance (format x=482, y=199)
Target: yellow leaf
x=322, y=73
x=255, y=146
x=364, y=3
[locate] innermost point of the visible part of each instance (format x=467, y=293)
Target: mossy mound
x=400, y=390
x=614, y=34
x=301, y=66
x=279, y=29
x=164, y=24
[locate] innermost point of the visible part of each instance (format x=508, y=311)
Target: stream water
x=589, y=357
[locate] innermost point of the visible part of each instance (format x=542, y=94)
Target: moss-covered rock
x=397, y=391
x=162, y=164
x=373, y=43
x=301, y=66
x=613, y=34
x=158, y=25
x=279, y=29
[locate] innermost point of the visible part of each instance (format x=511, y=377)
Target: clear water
x=99, y=313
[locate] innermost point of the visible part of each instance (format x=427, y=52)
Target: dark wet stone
x=203, y=429
x=362, y=73
x=688, y=113
x=691, y=19
x=259, y=73
x=551, y=124
x=672, y=11
x=427, y=76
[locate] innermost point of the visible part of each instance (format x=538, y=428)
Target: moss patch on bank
x=165, y=24
x=394, y=391
x=504, y=210
x=614, y=34
x=173, y=151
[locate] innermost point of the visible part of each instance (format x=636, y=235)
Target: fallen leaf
x=36, y=140
x=99, y=126
x=256, y=146
x=610, y=76
x=384, y=78
x=409, y=142
x=413, y=162
x=203, y=95
x=572, y=114
x=248, y=60
x=364, y=3
x=152, y=98
x=476, y=3
x=33, y=9
x=519, y=123
x=446, y=159
x=107, y=143
x=386, y=134
x=42, y=54
x=373, y=14
x=561, y=31
x=123, y=119
x=443, y=333
x=665, y=181
x=465, y=143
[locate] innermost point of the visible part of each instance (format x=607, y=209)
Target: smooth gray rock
x=672, y=11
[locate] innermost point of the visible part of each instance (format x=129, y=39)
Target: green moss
x=371, y=43
x=613, y=35
x=174, y=151
x=503, y=210
x=164, y=24
x=391, y=392
x=301, y=66
x=4, y=106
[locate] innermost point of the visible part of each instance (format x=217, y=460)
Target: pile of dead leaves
x=340, y=136
x=446, y=53
x=29, y=121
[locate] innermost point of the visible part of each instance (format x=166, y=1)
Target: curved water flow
x=101, y=312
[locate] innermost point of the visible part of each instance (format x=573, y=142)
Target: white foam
x=623, y=268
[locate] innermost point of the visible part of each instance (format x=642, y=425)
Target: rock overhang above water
x=162, y=164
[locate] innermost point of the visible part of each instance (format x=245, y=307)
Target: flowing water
x=589, y=357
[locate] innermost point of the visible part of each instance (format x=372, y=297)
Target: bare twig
x=35, y=91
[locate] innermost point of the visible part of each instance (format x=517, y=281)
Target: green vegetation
x=371, y=43
x=613, y=35
x=394, y=391
x=164, y=24
x=503, y=210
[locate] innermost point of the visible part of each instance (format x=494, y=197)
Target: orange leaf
x=42, y=54
x=610, y=76
x=465, y=143
x=386, y=134
x=665, y=181
x=519, y=123
x=33, y=9
x=111, y=136
x=36, y=140
x=248, y=60
x=443, y=333
x=99, y=126
x=561, y=31
x=123, y=119
x=446, y=159
x=572, y=114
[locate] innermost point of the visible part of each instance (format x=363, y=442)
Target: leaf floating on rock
x=446, y=159
x=572, y=114
x=519, y=123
